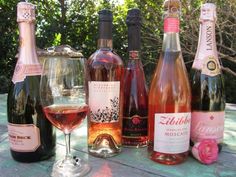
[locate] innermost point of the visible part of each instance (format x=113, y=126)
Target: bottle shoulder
x=28, y=87
x=103, y=56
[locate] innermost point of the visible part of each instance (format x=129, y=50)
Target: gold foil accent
x=25, y=12
x=105, y=43
x=172, y=8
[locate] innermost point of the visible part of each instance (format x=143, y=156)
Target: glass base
x=169, y=159
x=70, y=167
x=104, y=146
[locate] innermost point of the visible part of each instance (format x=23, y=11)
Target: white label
x=104, y=101
x=172, y=132
x=23, y=137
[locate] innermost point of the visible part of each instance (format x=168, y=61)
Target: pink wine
x=135, y=114
x=208, y=100
x=66, y=117
x=31, y=135
x=169, y=113
x=105, y=94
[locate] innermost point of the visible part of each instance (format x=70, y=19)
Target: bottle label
x=172, y=132
x=104, y=101
x=211, y=66
x=171, y=25
x=134, y=55
x=23, y=137
x=23, y=70
x=135, y=126
x=207, y=125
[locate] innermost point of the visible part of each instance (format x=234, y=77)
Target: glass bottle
x=31, y=135
x=135, y=93
x=105, y=93
x=170, y=97
x=208, y=100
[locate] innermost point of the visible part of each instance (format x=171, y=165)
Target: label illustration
x=135, y=126
x=207, y=125
x=211, y=66
x=104, y=101
x=172, y=132
x=23, y=138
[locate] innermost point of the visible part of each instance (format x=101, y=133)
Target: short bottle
x=208, y=100
x=169, y=113
x=105, y=93
x=31, y=135
x=135, y=114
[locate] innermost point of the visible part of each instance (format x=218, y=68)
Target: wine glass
x=62, y=95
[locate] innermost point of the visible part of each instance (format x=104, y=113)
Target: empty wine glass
x=62, y=95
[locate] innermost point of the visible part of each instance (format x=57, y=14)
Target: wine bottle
x=169, y=113
x=135, y=110
x=208, y=100
x=105, y=93
x=31, y=135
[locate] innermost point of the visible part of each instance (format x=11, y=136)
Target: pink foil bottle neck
x=25, y=12
x=208, y=12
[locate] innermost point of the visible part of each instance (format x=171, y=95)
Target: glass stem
x=67, y=139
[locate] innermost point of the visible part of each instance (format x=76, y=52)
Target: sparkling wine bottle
x=208, y=100
x=169, y=113
x=135, y=110
x=31, y=136
x=105, y=93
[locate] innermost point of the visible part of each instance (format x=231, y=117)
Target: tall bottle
x=31, y=135
x=208, y=100
x=105, y=93
x=135, y=108
x=170, y=97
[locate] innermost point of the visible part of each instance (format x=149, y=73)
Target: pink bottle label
x=172, y=132
x=23, y=70
x=23, y=137
x=104, y=101
x=207, y=125
x=171, y=25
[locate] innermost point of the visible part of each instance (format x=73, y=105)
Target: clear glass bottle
x=31, y=135
x=169, y=113
x=105, y=93
x=135, y=114
x=208, y=100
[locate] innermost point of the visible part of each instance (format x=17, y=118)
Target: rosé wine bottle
x=208, y=100
x=169, y=115
x=135, y=114
x=105, y=94
x=31, y=135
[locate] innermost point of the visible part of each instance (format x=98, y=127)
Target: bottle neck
x=27, y=50
x=171, y=40
x=105, y=43
x=134, y=41
x=105, y=34
x=206, y=44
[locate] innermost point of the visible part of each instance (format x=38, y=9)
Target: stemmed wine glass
x=62, y=95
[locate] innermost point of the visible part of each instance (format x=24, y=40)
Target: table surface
x=131, y=162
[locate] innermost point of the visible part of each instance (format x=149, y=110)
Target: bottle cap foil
x=208, y=12
x=25, y=12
